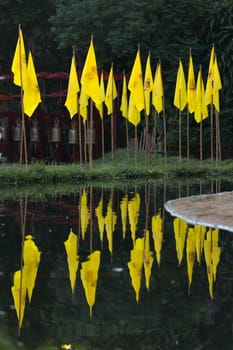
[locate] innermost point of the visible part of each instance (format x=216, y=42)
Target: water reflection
x=106, y=262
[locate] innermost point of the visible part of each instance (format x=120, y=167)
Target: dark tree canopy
x=166, y=28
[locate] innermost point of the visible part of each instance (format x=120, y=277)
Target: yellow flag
x=191, y=90
x=134, y=116
x=89, y=78
x=201, y=111
x=209, y=83
x=102, y=96
x=135, y=84
x=31, y=96
x=180, y=97
x=71, y=102
x=217, y=85
x=83, y=103
x=148, y=85
x=111, y=92
x=124, y=99
x=19, y=64
x=157, y=92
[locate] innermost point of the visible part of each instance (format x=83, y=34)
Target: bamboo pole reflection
x=25, y=278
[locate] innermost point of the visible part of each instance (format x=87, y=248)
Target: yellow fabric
x=157, y=91
x=19, y=63
x=31, y=96
x=191, y=87
x=201, y=110
x=124, y=99
x=83, y=104
x=148, y=85
x=217, y=85
x=102, y=96
x=180, y=97
x=111, y=92
x=134, y=116
x=135, y=84
x=89, y=78
x=209, y=83
x=71, y=102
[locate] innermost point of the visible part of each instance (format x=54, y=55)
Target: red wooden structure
x=48, y=130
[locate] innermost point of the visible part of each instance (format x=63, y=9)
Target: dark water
x=167, y=313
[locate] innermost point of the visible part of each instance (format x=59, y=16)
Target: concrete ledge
x=211, y=210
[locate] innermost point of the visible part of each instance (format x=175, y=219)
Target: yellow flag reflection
x=123, y=207
x=180, y=229
x=89, y=277
x=190, y=253
x=148, y=259
x=135, y=265
x=133, y=211
x=84, y=214
x=18, y=291
x=71, y=247
x=31, y=259
x=200, y=232
x=157, y=225
x=110, y=223
x=212, y=254
x=100, y=218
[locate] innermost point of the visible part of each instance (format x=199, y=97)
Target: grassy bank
x=121, y=168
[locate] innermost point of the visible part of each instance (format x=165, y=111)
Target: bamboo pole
x=91, y=136
x=127, y=136
x=211, y=134
x=187, y=130
x=80, y=139
x=164, y=133
x=23, y=141
x=147, y=150
x=136, y=144
x=180, y=149
x=154, y=135
x=102, y=138
x=23, y=217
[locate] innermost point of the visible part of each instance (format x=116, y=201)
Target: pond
x=104, y=268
